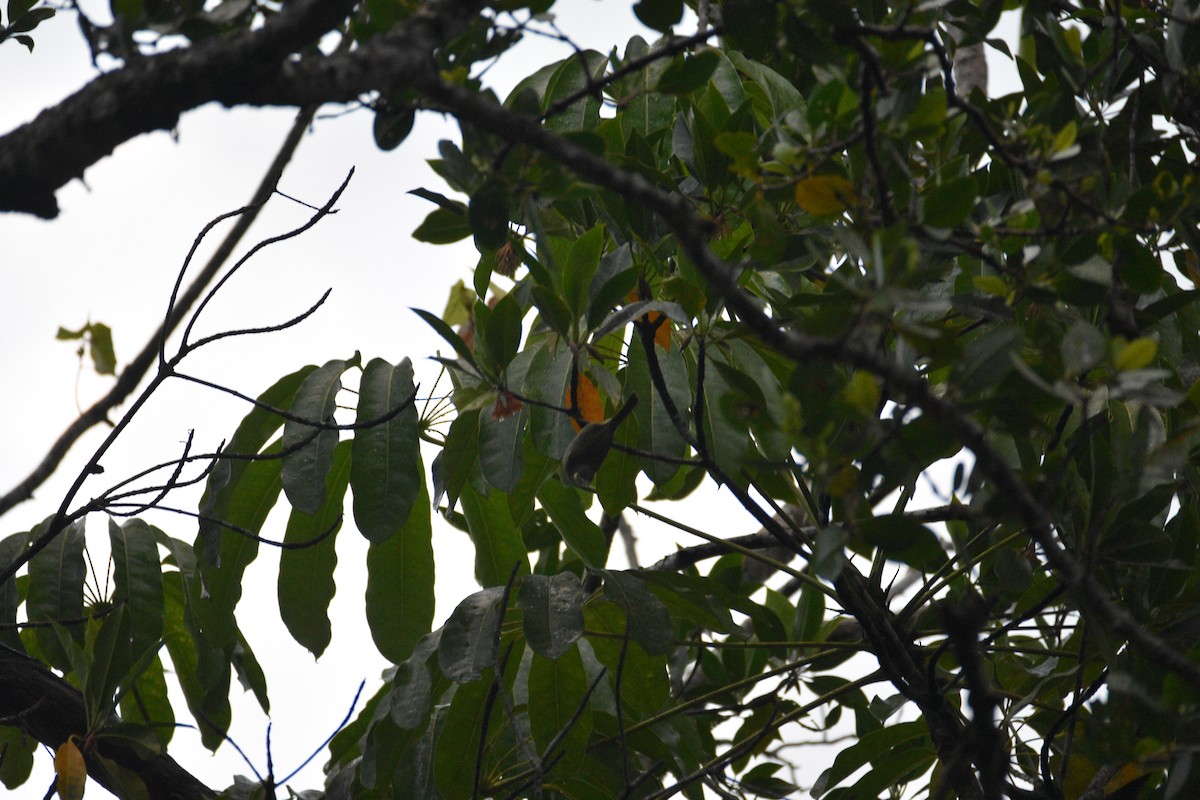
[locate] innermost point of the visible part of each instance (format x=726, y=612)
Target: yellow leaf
x=70, y=769
x=1134, y=355
x=991, y=284
x=863, y=393
x=825, y=195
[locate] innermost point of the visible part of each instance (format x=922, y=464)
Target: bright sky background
x=112, y=257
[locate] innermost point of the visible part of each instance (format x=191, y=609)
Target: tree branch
x=49, y=709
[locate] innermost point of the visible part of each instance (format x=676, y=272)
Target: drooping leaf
x=648, y=621
x=582, y=535
x=305, y=584
x=468, y=643
x=10, y=548
x=252, y=434
x=138, y=582
x=385, y=460
x=559, y=686
x=552, y=608
x=56, y=577
x=400, y=581
x=498, y=545
x=308, y=450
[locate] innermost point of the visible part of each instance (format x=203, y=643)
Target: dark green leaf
x=308, y=450
x=138, y=582
x=468, y=643
x=558, y=686
x=904, y=539
x=56, y=576
x=498, y=545
x=552, y=609
x=400, y=579
x=582, y=535
x=384, y=466
x=443, y=226
x=305, y=585
x=688, y=73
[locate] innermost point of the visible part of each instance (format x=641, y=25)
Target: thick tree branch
x=252, y=68
x=50, y=710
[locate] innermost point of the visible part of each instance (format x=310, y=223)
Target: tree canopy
x=794, y=249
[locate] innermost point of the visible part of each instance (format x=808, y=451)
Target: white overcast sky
x=112, y=256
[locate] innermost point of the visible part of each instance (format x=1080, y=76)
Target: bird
x=588, y=449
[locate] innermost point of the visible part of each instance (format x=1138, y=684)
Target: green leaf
x=443, y=226
x=498, y=544
x=648, y=621
x=686, y=74
x=308, y=451
x=249, y=671
x=578, y=267
x=252, y=434
x=447, y=333
x=659, y=14
x=147, y=703
x=457, y=459
x=583, y=536
x=384, y=464
x=18, y=748
x=552, y=612
x=557, y=687
x=488, y=215
x=457, y=749
x=56, y=576
x=100, y=342
x=501, y=335
x=305, y=585
x=207, y=692
x=138, y=582
x=392, y=125
x=874, y=748
x=946, y=205
x=501, y=453
x=10, y=548
x=905, y=540
x=400, y=581
x=468, y=643
x=656, y=432
x=548, y=381
x=246, y=510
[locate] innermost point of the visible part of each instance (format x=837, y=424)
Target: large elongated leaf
x=558, y=687
x=138, y=579
x=185, y=644
x=56, y=576
x=468, y=643
x=552, y=612
x=400, y=578
x=656, y=432
x=498, y=543
x=501, y=452
x=147, y=703
x=583, y=536
x=246, y=510
x=309, y=450
x=456, y=753
x=385, y=468
x=548, y=380
x=10, y=548
x=306, y=573
x=252, y=434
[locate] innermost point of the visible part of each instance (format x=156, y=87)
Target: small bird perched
x=588, y=449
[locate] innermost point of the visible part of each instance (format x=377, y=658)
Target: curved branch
x=136, y=370
x=49, y=709
x=250, y=68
